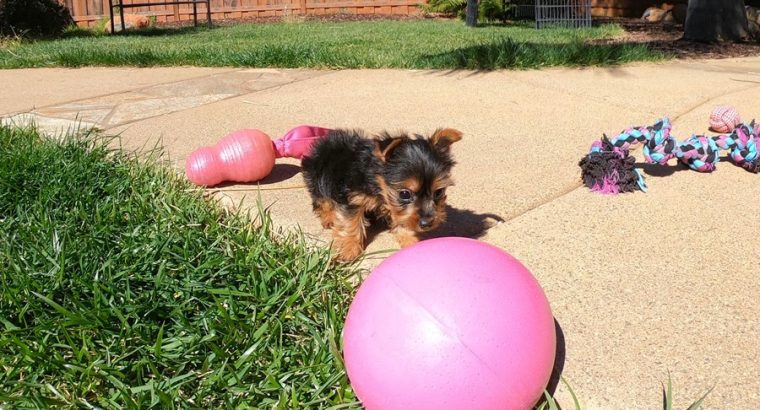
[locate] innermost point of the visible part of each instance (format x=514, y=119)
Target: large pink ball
x=449, y=323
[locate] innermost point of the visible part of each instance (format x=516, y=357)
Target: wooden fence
x=90, y=12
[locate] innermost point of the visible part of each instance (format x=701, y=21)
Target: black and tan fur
x=402, y=178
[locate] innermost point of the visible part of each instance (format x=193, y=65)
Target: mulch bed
x=665, y=37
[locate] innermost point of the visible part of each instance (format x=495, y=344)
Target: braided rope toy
x=609, y=168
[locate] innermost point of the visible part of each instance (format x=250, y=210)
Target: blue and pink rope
x=609, y=168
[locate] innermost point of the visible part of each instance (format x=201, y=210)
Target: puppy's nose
x=426, y=222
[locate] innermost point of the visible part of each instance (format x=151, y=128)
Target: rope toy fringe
x=610, y=169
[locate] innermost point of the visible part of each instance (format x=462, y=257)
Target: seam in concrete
x=28, y=110
x=321, y=74
x=614, y=104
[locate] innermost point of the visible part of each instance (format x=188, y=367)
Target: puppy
x=401, y=178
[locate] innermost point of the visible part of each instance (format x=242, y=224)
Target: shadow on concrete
x=281, y=172
x=656, y=170
x=466, y=223
x=459, y=222
x=559, y=364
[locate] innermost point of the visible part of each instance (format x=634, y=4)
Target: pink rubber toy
x=724, y=119
x=449, y=323
x=248, y=155
x=297, y=142
x=242, y=156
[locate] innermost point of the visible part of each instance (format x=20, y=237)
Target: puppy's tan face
x=419, y=205
x=415, y=179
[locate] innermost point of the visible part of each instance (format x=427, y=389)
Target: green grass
x=420, y=44
x=119, y=287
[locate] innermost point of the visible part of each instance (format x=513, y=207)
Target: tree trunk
x=716, y=20
x=472, y=13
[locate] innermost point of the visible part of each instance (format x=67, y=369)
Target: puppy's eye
x=439, y=193
x=405, y=195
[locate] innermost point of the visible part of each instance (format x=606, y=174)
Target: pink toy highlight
x=297, y=142
x=724, y=119
x=248, y=155
x=449, y=323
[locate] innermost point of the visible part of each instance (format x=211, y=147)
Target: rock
x=131, y=21
x=679, y=13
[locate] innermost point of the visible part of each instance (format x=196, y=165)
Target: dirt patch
x=667, y=38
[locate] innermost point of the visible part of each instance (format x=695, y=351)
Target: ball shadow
x=559, y=365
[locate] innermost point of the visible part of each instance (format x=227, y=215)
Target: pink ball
x=449, y=323
x=724, y=119
x=242, y=156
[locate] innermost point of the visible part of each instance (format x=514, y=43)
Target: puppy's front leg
x=349, y=233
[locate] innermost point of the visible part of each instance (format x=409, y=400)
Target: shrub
x=36, y=18
x=488, y=10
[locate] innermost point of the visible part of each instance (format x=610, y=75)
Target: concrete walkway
x=640, y=284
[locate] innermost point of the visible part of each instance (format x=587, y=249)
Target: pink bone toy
x=248, y=155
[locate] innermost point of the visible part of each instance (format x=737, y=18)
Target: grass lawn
x=439, y=44
x=122, y=288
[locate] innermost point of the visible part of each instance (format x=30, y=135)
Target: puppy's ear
x=384, y=148
x=443, y=137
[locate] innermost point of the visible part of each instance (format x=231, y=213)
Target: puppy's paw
x=405, y=237
x=347, y=250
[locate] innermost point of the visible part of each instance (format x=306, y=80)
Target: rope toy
x=610, y=169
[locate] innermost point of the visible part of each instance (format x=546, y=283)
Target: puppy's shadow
x=459, y=222
x=465, y=223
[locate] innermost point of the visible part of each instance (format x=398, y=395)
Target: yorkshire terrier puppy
x=401, y=178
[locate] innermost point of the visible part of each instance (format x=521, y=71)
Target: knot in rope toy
x=724, y=119
x=609, y=168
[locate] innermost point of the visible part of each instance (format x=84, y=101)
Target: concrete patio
x=641, y=285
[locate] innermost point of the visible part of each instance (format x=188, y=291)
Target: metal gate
x=553, y=13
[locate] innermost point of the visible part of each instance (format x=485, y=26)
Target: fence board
x=90, y=12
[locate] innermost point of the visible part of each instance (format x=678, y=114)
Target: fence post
x=472, y=13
